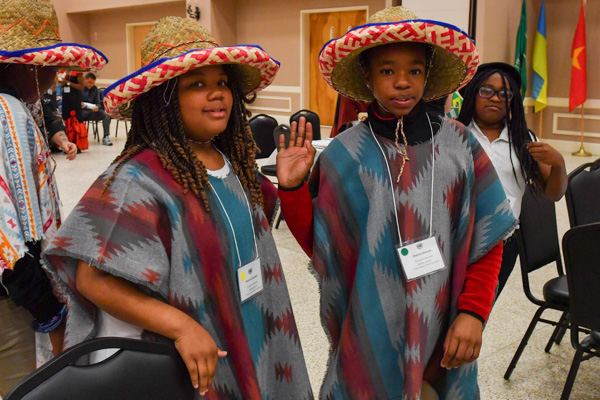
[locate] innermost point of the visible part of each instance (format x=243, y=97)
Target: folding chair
x=140, y=370
x=311, y=117
x=582, y=261
x=583, y=194
x=262, y=127
x=538, y=247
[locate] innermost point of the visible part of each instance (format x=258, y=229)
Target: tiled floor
x=537, y=376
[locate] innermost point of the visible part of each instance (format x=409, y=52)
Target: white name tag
x=420, y=258
x=250, y=280
x=67, y=89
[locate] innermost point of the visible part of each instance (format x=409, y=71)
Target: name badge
x=250, y=279
x=420, y=258
x=67, y=89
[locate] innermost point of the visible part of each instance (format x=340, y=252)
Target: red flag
x=578, y=92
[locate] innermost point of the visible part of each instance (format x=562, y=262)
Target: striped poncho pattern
x=386, y=333
x=28, y=196
x=147, y=231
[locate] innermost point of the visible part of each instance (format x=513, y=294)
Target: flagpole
x=541, y=118
x=582, y=152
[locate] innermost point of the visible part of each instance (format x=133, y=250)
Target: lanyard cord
x=392, y=185
x=229, y=219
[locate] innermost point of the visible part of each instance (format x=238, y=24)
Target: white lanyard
x=392, y=185
x=229, y=219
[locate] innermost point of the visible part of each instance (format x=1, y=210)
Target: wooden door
x=324, y=27
x=139, y=34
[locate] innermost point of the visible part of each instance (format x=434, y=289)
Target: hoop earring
x=167, y=102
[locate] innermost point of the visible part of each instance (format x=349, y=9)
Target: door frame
x=130, y=44
x=305, y=46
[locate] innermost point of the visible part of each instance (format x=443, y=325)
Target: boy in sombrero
x=30, y=53
x=174, y=238
x=407, y=216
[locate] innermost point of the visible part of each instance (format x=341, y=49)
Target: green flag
x=521, y=50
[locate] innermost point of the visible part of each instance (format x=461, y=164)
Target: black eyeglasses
x=487, y=93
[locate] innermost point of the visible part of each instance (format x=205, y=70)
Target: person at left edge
x=30, y=53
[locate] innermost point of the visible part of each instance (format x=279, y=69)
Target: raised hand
x=200, y=355
x=294, y=162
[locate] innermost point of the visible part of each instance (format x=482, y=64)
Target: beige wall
x=102, y=24
x=224, y=22
x=276, y=29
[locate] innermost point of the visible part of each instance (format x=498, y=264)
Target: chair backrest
x=262, y=127
x=311, y=117
x=538, y=237
x=140, y=370
x=581, y=248
x=583, y=194
x=285, y=129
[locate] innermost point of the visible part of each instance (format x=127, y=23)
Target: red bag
x=77, y=132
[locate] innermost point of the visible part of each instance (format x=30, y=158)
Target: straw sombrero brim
x=254, y=66
x=63, y=55
x=453, y=65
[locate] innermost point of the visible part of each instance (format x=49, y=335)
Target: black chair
x=117, y=127
x=583, y=194
x=538, y=247
x=311, y=117
x=94, y=129
x=139, y=370
x=582, y=261
x=271, y=170
x=262, y=127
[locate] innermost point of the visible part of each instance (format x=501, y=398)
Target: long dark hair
x=158, y=126
x=518, y=133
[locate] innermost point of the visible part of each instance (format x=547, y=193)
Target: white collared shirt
x=499, y=152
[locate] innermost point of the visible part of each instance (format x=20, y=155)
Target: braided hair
x=518, y=133
x=158, y=126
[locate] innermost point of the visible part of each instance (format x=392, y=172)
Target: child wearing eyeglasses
x=493, y=110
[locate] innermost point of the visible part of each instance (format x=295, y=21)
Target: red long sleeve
x=480, y=284
x=297, y=210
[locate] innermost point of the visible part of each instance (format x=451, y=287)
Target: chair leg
x=524, y=341
x=560, y=328
x=563, y=330
x=572, y=374
x=278, y=218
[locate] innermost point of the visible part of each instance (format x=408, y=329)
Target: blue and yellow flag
x=540, y=64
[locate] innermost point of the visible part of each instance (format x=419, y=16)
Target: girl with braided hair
x=403, y=215
x=493, y=109
x=177, y=232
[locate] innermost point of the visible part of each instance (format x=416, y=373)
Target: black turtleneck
x=416, y=126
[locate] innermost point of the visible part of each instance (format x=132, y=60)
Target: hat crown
x=172, y=36
x=28, y=24
x=392, y=14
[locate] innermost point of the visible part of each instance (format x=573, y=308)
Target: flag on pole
x=540, y=64
x=578, y=92
x=521, y=50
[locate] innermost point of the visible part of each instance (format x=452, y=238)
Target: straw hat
x=454, y=62
x=175, y=46
x=29, y=35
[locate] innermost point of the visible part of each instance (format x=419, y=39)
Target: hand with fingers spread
x=294, y=162
x=200, y=355
x=463, y=341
